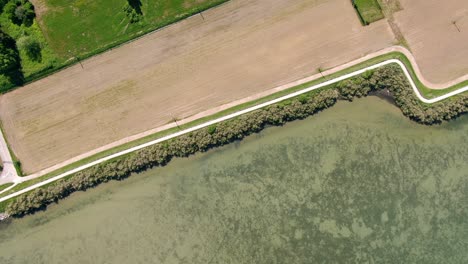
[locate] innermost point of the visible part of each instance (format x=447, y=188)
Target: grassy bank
x=4, y=186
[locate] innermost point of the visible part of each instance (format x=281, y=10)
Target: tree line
x=389, y=78
x=20, y=13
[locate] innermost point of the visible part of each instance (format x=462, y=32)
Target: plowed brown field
x=440, y=49
x=241, y=48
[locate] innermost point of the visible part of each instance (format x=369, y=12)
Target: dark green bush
x=10, y=67
x=133, y=14
x=20, y=12
x=393, y=79
x=9, y=56
x=31, y=47
x=2, y=4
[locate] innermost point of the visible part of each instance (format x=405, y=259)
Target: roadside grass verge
x=368, y=10
x=4, y=186
x=394, y=55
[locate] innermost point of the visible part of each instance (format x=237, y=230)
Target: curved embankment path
x=412, y=60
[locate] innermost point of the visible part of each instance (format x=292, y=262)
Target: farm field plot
x=437, y=33
x=239, y=49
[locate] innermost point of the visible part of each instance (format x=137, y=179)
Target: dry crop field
x=238, y=49
x=437, y=33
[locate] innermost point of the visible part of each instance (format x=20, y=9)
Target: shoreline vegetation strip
x=390, y=55
x=425, y=91
x=157, y=135
x=355, y=84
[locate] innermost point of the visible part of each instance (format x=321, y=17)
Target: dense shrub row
x=390, y=78
x=160, y=154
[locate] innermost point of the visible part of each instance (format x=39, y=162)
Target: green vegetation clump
x=34, y=56
x=368, y=10
x=389, y=78
x=2, y=4
x=31, y=47
x=20, y=12
x=392, y=79
x=10, y=66
x=9, y=56
x=133, y=11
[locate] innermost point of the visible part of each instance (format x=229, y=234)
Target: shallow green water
x=358, y=183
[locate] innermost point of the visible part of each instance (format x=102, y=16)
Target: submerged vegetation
x=389, y=78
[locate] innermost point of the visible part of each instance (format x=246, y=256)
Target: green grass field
x=369, y=10
x=84, y=27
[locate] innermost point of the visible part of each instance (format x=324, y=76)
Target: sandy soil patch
x=441, y=50
x=241, y=48
x=40, y=7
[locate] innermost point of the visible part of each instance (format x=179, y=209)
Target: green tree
x=20, y=12
x=31, y=47
x=10, y=67
x=132, y=13
x=2, y=4
x=135, y=5
x=9, y=58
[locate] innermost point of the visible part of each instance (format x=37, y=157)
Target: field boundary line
x=253, y=108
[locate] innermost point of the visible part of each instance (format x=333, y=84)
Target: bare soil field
x=239, y=49
x=437, y=34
